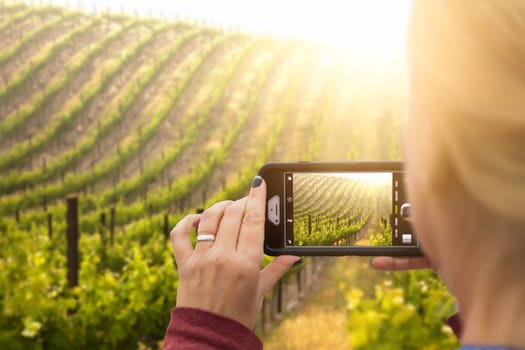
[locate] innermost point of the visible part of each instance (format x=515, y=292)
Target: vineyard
x=333, y=210
x=144, y=121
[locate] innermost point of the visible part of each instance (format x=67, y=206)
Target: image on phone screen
x=346, y=209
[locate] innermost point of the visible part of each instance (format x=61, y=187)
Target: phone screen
x=358, y=208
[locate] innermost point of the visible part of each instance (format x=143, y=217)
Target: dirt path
x=320, y=321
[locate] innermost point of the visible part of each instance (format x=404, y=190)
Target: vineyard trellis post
x=298, y=280
x=49, y=226
x=166, y=226
x=102, y=226
x=111, y=225
x=280, y=296
x=263, y=316
x=30, y=154
x=72, y=241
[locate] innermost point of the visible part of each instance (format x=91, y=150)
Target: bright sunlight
x=372, y=31
x=368, y=177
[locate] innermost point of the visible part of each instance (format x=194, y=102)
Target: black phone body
x=337, y=208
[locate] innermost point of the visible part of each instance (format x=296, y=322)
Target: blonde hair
x=467, y=61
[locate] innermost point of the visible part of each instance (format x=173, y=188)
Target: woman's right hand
x=388, y=263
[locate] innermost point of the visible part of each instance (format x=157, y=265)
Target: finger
x=209, y=223
x=388, y=263
x=230, y=225
x=251, y=234
x=275, y=270
x=180, y=238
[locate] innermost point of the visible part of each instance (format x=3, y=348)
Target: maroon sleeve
x=191, y=328
x=455, y=323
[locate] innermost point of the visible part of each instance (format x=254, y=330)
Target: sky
x=372, y=29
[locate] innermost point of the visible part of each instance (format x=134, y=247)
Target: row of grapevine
x=50, y=61
x=146, y=121
x=127, y=289
x=60, y=164
x=27, y=76
x=35, y=35
x=338, y=219
x=67, y=115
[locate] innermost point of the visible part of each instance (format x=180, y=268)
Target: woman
x=465, y=154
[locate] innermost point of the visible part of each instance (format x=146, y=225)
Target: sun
x=372, y=30
x=378, y=178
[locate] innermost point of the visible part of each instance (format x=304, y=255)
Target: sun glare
x=368, y=177
x=369, y=30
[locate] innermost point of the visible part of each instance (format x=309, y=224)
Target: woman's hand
x=224, y=276
x=388, y=263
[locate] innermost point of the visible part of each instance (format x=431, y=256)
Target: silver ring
x=205, y=238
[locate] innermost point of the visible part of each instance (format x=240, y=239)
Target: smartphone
x=342, y=208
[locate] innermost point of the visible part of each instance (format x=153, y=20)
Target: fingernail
x=298, y=262
x=257, y=181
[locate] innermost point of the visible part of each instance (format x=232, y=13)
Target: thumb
x=269, y=276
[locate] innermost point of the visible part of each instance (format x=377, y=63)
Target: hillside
x=144, y=121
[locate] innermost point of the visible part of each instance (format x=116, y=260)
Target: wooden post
x=30, y=155
x=50, y=225
x=103, y=219
x=166, y=227
x=272, y=307
x=111, y=224
x=102, y=226
x=309, y=225
x=298, y=280
x=72, y=241
x=17, y=216
x=263, y=316
x=280, y=296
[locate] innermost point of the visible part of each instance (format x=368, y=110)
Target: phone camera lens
x=405, y=211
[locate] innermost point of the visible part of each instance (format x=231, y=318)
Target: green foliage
x=127, y=288
x=60, y=164
x=22, y=77
x=15, y=19
x=407, y=312
x=328, y=210
x=383, y=237
x=15, y=119
x=36, y=34
x=110, y=309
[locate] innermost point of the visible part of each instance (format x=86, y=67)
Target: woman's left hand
x=224, y=276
